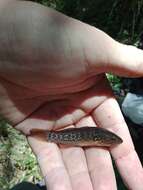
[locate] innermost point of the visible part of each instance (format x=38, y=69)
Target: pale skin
x=52, y=77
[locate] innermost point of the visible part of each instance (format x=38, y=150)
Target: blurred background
x=122, y=20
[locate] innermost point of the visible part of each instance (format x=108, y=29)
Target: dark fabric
x=42, y=187
x=27, y=186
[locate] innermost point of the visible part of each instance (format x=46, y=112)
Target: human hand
x=52, y=77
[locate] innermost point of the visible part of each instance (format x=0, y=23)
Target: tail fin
x=39, y=133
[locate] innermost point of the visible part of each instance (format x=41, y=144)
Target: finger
x=109, y=116
x=51, y=164
x=75, y=161
x=51, y=115
x=42, y=118
x=99, y=163
x=125, y=60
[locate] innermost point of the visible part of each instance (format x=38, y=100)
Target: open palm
x=55, y=80
x=75, y=167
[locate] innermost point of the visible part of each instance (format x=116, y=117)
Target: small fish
x=83, y=137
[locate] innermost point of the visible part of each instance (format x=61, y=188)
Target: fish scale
x=84, y=136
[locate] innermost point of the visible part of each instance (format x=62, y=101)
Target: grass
x=17, y=162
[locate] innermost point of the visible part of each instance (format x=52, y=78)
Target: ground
x=17, y=162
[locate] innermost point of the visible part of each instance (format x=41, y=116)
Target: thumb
x=126, y=60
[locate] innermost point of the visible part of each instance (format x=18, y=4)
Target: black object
x=28, y=186
x=141, y=41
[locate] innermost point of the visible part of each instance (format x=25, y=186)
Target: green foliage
x=115, y=82
x=123, y=20
x=17, y=162
x=56, y=4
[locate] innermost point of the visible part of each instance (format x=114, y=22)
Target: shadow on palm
x=63, y=111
